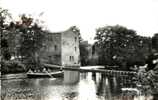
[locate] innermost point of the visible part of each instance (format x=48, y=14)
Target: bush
x=13, y=66
x=149, y=80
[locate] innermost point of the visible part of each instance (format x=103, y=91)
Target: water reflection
x=90, y=86
x=71, y=77
x=87, y=89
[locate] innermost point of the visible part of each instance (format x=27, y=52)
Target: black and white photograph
x=79, y=49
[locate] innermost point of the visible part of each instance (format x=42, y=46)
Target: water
x=90, y=86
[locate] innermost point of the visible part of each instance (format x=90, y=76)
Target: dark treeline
x=123, y=47
x=120, y=47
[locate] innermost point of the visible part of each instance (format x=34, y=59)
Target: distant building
x=91, y=57
x=95, y=54
x=85, y=52
x=62, y=48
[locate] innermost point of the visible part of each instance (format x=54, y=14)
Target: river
x=89, y=86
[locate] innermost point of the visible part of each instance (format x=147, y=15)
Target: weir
x=81, y=69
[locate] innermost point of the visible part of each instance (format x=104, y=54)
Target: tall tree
x=121, y=46
x=32, y=38
x=3, y=40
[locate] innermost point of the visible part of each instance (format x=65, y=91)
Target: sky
x=88, y=15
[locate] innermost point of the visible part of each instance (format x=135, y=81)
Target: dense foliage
x=13, y=66
x=3, y=40
x=20, y=40
x=31, y=40
x=148, y=80
x=121, y=46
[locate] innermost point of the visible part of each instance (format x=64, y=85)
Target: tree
x=31, y=40
x=77, y=30
x=155, y=42
x=3, y=40
x=154, y=53
x=121, y=46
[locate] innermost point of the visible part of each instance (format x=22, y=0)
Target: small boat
x=55, y=74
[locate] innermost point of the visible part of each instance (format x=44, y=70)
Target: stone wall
x=51, y=52
x=61, y=48
x=70, y=48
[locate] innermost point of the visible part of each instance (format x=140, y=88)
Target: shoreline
x=13, y=76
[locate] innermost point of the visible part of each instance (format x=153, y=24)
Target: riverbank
x=13, y=76
x=149, y=80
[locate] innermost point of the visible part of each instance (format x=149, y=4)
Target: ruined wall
x=51, y=52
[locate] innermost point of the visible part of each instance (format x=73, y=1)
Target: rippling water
x=90, y=86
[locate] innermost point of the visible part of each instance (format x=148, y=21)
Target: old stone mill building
x=62, y=48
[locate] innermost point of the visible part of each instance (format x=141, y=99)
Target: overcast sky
x=87, y=15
